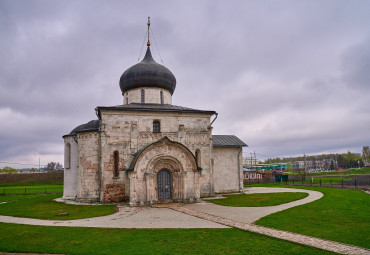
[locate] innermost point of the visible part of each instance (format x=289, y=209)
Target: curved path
x=126, y=217
x=203, y=215
x=157, y=217
x=252, y=214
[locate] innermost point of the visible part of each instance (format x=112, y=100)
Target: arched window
x=67, y=155
x=161, y=95
x=198, y=157
x=156, y=126
x=143, y=96
x=115, y=164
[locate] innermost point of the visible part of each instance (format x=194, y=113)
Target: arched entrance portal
x=164, y=185
x=164, y=171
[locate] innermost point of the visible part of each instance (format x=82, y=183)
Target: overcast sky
x=287, y=77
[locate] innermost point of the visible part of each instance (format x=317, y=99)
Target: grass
x=324, y=180
x=70, y=240
x=364, y=170
x=43, y=207
x=341, y=215
x=257, y=200
x=32, y=189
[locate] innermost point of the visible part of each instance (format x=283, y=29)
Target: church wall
x=71, y=168
x=226, y=171
x=128, y=132
x=152, y=96
x=114, y=188
x=88, y=186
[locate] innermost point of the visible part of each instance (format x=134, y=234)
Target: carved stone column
x=196, y=186
x=150, y=187
x=177, y=187
x=183, y=177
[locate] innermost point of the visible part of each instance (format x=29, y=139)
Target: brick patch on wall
x=114, y=193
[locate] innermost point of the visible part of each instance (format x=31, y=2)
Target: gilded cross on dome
x=148, y=43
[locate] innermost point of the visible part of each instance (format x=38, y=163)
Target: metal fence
x=30, y=190
x=350, y=182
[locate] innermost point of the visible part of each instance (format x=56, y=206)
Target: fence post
x=355, y=184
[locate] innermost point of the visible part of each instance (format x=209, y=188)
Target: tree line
x=344, y=160
x=49, y=167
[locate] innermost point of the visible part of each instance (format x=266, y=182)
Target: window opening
x=67, y=163
x=197, y=157
x=143, y=96
x=161, y=94
x=156, y=126
x=115, y=164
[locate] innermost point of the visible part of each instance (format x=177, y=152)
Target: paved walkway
x=202, y=215
x=285, y=235
x=151, y=217
x=252, y=214
x=126, y=217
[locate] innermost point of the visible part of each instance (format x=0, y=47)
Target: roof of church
x=153, y=108
x=147, y=73
x=227, y=141
x=92, y=125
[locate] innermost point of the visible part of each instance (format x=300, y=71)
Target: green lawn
x=341, y=215
x=43, y=207
x=364, y=170
x=257, y=200
x=324, y=180
x=32, y=189
x=70, y=240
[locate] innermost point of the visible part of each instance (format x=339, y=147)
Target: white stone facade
x=70, y=167
x=228, y=170
x=183, y=147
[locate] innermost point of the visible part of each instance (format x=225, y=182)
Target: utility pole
x=305, y=166
x=255, y=160
x=251, y=161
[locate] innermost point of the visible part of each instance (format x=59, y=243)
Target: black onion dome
x=147, y=73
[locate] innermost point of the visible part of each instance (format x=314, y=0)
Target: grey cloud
x=356, y=63
x=279, y=73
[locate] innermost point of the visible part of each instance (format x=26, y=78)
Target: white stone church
x=148, y=150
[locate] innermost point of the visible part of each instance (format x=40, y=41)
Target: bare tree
x=366, y=155
x=53, y=166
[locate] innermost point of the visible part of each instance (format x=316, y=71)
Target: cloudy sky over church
x=287, y=77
